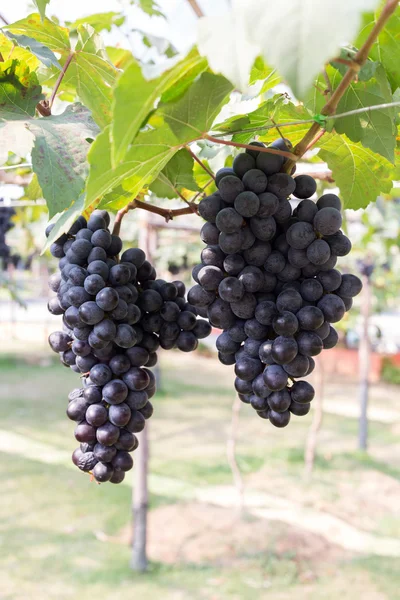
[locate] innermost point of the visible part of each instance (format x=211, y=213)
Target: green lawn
x=65, y=538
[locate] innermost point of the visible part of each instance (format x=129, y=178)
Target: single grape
x=302, y=392
x=281, y=184
x=329, y=201
x=275, y=377
x=96, y=415
x=263, y=229
x=309, y=343
x=350, y=286
x=328, y=221
x=279, y=401
x=229, y=187
x=306, y=186
x=300, y=235
x=279, y=419
x=242, y=163
x=248, y=368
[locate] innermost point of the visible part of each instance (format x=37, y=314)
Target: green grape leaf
x=348, y=53
x=374, y=129
x=120, y=57
x=92, y=75
x=194, y=113
x=178, y=123
x=33, y=191
x=360, y=174
x=59, y=152
x=262, y=71
x=234, y=56
x=42, y=52
x=41, y=6
x=177, y=174
x=47, y=32
x=90, y=72
x=162, y=45
x=263, y=116
x=386, y=49
x=116, y=199
x=135, y=97
x=287, y=114
x=63, y=221
x=19, y=90
x=99, y=21
x=232, y=42
x=24, y=56
x=202, y=178
x=276, y=110
x=145, y=159
x=150, y=7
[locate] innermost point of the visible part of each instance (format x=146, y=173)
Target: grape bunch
x=116, y=315
x=267, y=278
x=6, y=213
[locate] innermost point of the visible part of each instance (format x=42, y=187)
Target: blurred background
x=237, y=509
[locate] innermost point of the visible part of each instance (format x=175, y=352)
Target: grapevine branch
x=167, y=213
x=60, y=78
x=359, y=59
x=200, y=162
x=196, y=8
x=44, y=107
x=216, y=140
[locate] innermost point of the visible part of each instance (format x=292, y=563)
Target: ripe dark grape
x=328, y=221
x=279, y=419
x=242, y=163
x=306, y=186
x=275, y=377
x=229, y=187
x=279, y=401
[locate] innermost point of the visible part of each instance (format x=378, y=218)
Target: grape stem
x=3, y=19
x=196, y=8
x=349, y=63
x=44, y=107
x=328, y=83
x=315, y=140
x=167, y=213
x=359, y=59
x=216, y=140
x=200, y=162
x=60, y=78
x=1, y=57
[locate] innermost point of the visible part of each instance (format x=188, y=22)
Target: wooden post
x=364, y=352
x=140, y=493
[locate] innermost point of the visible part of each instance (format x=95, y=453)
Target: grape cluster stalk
x=267, y=278
x=116, y=315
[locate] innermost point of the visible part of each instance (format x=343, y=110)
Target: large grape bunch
x=267, y=278
x=116, y=315
x=6, y=213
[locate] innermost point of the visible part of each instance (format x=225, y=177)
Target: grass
x=62, y=537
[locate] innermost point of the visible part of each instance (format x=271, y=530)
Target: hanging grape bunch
x=6, y=213
x=116, y=315
x=267, y=278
